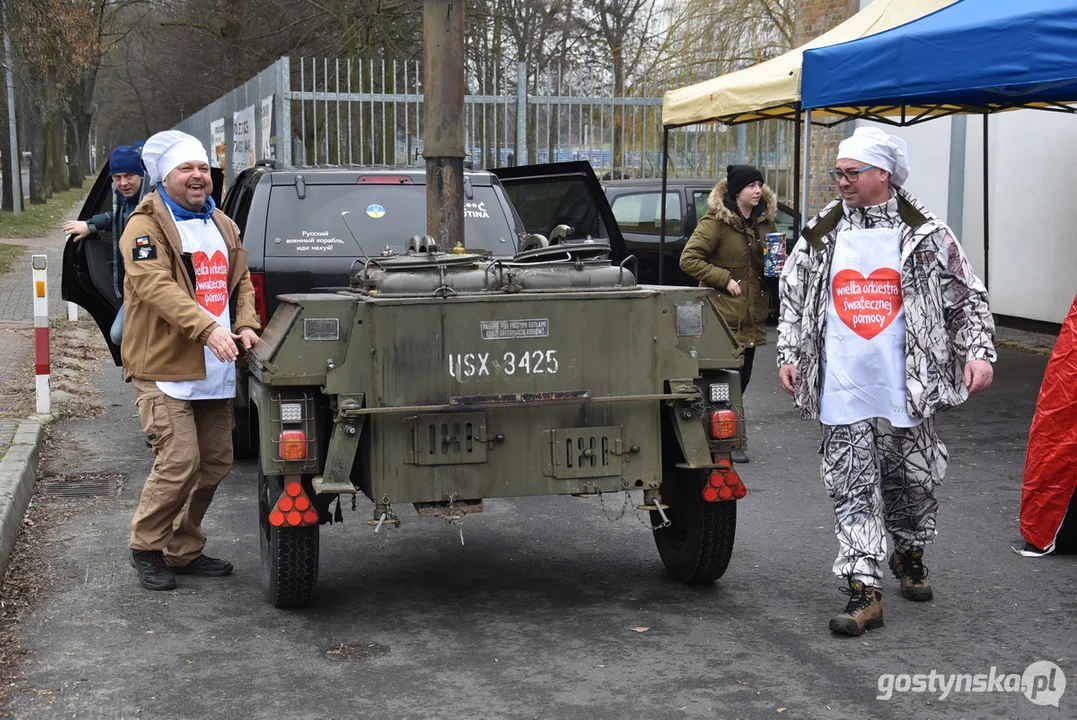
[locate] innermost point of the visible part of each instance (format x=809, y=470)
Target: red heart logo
x=211, y=281
x=867, y=305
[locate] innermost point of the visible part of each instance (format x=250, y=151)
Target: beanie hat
x=125, y=159
x=740, y=176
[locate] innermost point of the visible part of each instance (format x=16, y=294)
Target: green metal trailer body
x=443, y=380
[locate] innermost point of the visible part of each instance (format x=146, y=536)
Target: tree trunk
x=532, y=125
x=58, y=170
x=7, y=202
x=616, y=169
x=76, y=151
x=497, y=82
x=36, y=133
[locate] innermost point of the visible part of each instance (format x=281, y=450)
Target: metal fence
x=347, y=111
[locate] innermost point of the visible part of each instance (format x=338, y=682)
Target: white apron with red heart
x=209, y=255
x=864, y=376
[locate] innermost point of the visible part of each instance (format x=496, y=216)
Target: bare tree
x=53, y=50
x=724, y=35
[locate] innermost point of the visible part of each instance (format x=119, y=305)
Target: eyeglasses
x=850, y=175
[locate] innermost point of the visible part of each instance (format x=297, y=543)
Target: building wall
x=1032, y=271
x=815, y=17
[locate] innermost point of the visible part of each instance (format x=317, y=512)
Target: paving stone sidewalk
x=17, y=303
x=20, y=438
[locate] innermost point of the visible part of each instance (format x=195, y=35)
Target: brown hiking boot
x=908, y=567
x=864, y=611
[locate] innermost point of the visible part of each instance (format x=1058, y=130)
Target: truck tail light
x=293, y=508
x=258, y=280
x=724, y=484
x=723, y=424
x=293, y=445
x=384, y=180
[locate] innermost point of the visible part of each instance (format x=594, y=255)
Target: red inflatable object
x=1051, y=464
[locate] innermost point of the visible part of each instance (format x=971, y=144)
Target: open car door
x=566, y=193
x=88, y=266
x=86, y=278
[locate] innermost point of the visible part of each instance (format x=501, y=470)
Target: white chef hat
x=165, y=151
x=877, y=147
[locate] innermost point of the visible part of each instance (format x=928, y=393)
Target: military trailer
x=443, y=379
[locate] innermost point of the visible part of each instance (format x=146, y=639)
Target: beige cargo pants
x=192, y=444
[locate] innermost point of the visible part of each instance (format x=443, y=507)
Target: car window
x=641, y=213
x=380, y=215
x=238, y=205
x=699, y=199
x=784, y=221
x=544, y=204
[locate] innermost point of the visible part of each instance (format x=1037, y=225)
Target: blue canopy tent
x=975, y=56
x=972, y=56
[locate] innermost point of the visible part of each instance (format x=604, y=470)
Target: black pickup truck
x=312, y=228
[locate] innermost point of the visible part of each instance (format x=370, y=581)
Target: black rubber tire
x=289, y=555
x=697, y=545
x=244, y=434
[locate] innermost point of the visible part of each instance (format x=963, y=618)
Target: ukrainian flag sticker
x=375, y=210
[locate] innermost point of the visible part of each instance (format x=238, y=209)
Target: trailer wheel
x=698, y=543
x=289, y=555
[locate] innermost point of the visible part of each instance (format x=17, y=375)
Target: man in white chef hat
x=882, y=324
x=189, y=301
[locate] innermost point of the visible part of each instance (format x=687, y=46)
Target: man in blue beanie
x=125, y=167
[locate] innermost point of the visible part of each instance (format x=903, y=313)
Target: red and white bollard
x=40, y=265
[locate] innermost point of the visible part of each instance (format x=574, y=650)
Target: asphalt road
x=535, y=615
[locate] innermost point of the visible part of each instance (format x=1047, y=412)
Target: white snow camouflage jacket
x=947, y=318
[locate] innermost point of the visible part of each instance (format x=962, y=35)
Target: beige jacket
x=165, y=330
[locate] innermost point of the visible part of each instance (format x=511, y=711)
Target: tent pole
x=807, y=162
x=796, y=174
x=987, y=200
x=662, y=220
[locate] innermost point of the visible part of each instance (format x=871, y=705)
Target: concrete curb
x=18, y=472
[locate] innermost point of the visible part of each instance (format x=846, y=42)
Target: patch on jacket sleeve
x=144, y=240
x=144, y=252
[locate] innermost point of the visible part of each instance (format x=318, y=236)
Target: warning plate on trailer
x=509, y=329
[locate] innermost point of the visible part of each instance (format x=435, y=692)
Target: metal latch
x=349, y=408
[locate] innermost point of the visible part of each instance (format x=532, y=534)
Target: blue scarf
x=182, y=213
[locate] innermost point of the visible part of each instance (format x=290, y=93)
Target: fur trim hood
x=716, y=204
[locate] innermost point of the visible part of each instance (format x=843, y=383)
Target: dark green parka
x=724, y=247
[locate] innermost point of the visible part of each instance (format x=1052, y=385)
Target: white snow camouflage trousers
x=881, y=478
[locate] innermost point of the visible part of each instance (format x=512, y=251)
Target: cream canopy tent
x=771, y=89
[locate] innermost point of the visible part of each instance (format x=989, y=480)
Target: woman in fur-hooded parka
x=727, y=246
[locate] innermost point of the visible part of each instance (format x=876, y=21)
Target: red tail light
x=258, y=280
x=293, y=508
x=724, y=484
x=723, y=424
x=384, y=180
x=293, y=446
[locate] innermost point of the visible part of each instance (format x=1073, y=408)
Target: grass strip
x=40, y=220
x=8, y=255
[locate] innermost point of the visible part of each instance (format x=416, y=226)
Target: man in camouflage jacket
x=881, y=469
